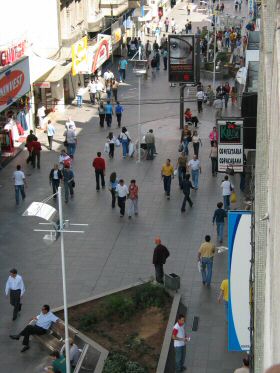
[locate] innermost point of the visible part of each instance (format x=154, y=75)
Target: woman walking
x=124, y=139
x=112, y=188
x=101, y=111
x=112, y=141
x=186, y=138
x=133, y=198
x=115, y=86
x=196, y=142
x=214, y=157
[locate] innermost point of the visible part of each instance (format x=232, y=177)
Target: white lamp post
x=47, y=212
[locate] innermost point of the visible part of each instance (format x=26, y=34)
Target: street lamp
x=49, y=213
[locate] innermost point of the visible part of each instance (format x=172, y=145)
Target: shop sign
x=181, y=59
x=14, y=83
x=239, y=267
x=79, y=56
x=116, y=32
x=12, y=53
x=100, y=52
x=230, y=144
x=42, y=84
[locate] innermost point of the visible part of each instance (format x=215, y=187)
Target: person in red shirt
x=133, y=198
x=190, y=118
x=35, y=148
x=99, y=166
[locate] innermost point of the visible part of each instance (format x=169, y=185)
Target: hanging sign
x=79, y=56
x=99, y=53
x=230, y=144
x=181, y=58
x=14, y=83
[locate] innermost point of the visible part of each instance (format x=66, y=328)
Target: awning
x=39, y=66
x=58, y=72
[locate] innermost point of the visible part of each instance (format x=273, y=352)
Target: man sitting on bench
x=42, y=325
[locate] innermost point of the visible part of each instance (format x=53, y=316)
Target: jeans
x=186, y=198
x=55, y=185
x=79, y=100
x=226, y=202
x=227, y=42
x=226, y=97
x=195, y=176
x=121, y=204
x=71, y=148
x=159, y=273
x=125, y=147
x=31, y=330
x=122, y=74
x=220, y=231
x=35, y=158
x=68, y=188
x=119, y=119
x=109, y=94
x=196, y=148
x=113, y=193
x=108, y=118
x=186, y=147
x=199, y=106
x=112, y=150
x=99, y=174
x=214, y=162
x=165, y=63
x=181, y=173
x=101, y=120
x=167, y=184
x=150, y=151
x=115, y=94
x=206, y=270
x=133, y=207
x=19, y=189
x=92, y=97
x=50, y=140
x=180, y=355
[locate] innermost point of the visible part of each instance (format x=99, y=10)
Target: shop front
x=15, y=114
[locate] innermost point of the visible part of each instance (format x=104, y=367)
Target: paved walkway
x=113, y=251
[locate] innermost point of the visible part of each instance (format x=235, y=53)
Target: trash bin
x=172, y=281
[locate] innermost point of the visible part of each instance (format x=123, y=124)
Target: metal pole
x=139, y=118
x=61, y=227
x=182, y=88
x=214, y=61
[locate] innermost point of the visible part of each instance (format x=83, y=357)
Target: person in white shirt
x=43, y=322
x=19, y=182
x=15, y=288
x=50, y=133
x=99, y=90
x=194, y=165
x=41, y=113
x=218, y=105
x=122, y=191
x=200, y=98
x=92, y=91
x=227, y=190
x=69, y=123
x=80, y=92
x=179, y=337
x=245, y=368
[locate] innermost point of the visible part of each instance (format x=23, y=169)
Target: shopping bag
x=233, y=197
x=118, y=143
x=175, y=172
x=130, y=149
x=106, y=148
x=199, y=266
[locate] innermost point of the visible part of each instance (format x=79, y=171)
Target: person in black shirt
x=219, y=216
x=159, y=258
x=187, y=186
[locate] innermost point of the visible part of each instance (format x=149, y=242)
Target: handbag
x=233, y=197
x=73, y=184
x=180, y=148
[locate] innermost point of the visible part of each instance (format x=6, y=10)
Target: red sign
x=10, y=85
x=12, y=54
x=42, y=84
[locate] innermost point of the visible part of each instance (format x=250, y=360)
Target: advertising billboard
x=239, y=265
x=14, y=83
x=230, y=144
x=79, y=56
x=99, y=53
x=181, y=62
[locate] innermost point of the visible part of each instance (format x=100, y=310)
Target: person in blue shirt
x=122, y=68
x=108, y=113
x=118, y=111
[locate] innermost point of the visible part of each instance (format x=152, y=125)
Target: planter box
x=96, y=354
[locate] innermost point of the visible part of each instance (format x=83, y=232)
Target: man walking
x=194, y=165
x=36, y=152
x=205, y=257
x=227, y=189
x=167, y=172
x=122, y=69
x=92, y=91
x=150, y=142
x=187, y=186
x=69, y=183
x=15, y=287
x=219, y=216
x=159, y=259
x=108, y=113
x=133, y=198
x=50, y=133
x=200, y=98
x=31, y=137
x=179, y=337
x=19, y=182
x=71, y=140
x=43, y=323
x=122, y=192
x=119, y=110
x=99, y=166
x=80, y=92
x=218, y=105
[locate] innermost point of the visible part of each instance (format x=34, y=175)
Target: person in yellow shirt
x=167, y=173
x=205, y=257
x=224, y=295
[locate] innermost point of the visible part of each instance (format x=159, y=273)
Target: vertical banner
x=181, y=55
x=79, y=56
x=230, y=144
x=239, y=257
